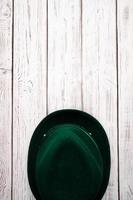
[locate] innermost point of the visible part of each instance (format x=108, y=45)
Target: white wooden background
x=65, y=54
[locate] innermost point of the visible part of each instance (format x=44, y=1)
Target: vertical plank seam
x=81, y=24
x=12, y=106
x=117, y=74
x=46, y=57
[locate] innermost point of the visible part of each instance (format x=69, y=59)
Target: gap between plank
x=81, y=24
x=117, y=76
x=47, y=57
x=12, y=89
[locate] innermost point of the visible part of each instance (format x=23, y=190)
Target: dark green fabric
x=98, y=139
x=69, y=165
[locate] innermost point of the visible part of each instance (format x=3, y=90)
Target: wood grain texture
x=64, y=54
x=99, y=74
x=125, y=63
x=5, y=98
x=29, y=85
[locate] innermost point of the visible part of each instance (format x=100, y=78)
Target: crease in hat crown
x=66, y=141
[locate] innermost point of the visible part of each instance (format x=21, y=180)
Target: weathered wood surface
x=125, y=63
x=58, y=54
x=29, y=85
x=5, y=98
x=64, y=54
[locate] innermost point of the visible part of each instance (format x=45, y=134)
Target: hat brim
x=81, y=119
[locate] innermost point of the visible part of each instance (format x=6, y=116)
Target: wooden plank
x=125, y=58
x=64, y=54
x=5, y=97
x=29, y=88
x=99, y=74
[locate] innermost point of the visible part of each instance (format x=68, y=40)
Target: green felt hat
x=69, y=157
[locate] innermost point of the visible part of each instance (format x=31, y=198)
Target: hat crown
x=69, y=164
